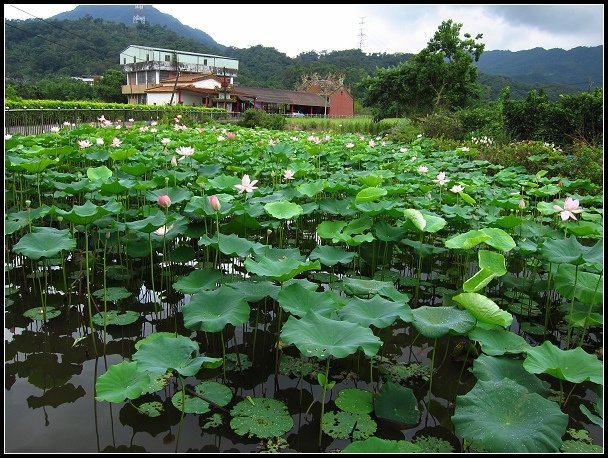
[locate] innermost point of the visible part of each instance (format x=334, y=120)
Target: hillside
x=124, y=14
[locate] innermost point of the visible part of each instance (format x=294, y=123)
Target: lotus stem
x=570, y=325
x=181, y=419
x=323, y=400
x=86, y=258
x=223, y=357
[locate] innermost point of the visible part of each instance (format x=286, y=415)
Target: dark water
x=50, y=378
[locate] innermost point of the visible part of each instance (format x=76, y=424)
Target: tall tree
x=442, y=75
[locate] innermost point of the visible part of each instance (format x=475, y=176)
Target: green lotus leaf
x=330, y=229
x=499, y=239
x=253, y=291
x=224, y=182
x=152, y=337
x=165, y=353
x=340, y=207
x=496, y=342
x=215, y=392
x=297, y=300
x=151, y=409
x=211, y=311
x=491, y=264
x=189, y=404
x=433, y=322
x=112, y=294
x=283, y=209
x=281, y=270
x=355, y=400
x=343, y=425
x=233, y=245
x=296, y=366
x=567, y=250
x=397, y=403
x=504, y=417
x=586, y=286
x=312, y=188
x=375, y=311
x=373, y=445
x=508, y=222
x=148, y=224
x=416, y=218
x=330, y=255
x=260, y=417
x=44, y=244
x=38, y=313
x=115, y=187
x=322, y=337
x=364, y=288
x=490, y=368
x=176, y=194
x=114, y=318
x=484, y=309
x=122, y=381
x=99, y=173
x=87, y=213
x=467, y=240
x=370, y=194
x=197, y=280
x=384, y=207
x=387, y=233
x=574, y=365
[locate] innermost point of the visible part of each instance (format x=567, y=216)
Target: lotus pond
x=171, y=288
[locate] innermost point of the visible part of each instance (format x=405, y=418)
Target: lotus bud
x=164, y=201
x=215, y=203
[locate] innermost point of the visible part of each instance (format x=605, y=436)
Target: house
x=146, y=67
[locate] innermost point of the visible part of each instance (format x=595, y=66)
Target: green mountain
x=88, y=40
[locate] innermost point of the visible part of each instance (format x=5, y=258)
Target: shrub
x=404, y=131
x=586, y=162
x=258, y=118
x=442, y=124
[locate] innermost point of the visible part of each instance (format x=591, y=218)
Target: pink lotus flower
x=246, y=185
x=165, y=141
x=215, y=203
x=570, y=208
x=164, y=201
x=116, y=142
x=440, y=180
x=423, y=169
x=84, y=143
x=230, y=135
x=288, y=174
x=457, y=188
x=185, y=150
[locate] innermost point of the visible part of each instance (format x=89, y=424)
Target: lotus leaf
x=504, y=417
x=212, y=310
x=124, y=380
x=322, y=337
x=87, y=213
x=343, y=425
x=298, y=301
x=355, y=400
x=99, y=173
x=373, y=445
x=494, y=369
x=484, y=309
x=496, y=342
x=189, y=404
x=112, y=294
x=38, y=313
x=375, y=311
x=433, y=322
x=197, y=280
x=45, y=244
x=260, y=417
x=330, y=255
x=281, y=270
x=370, y=194
x=114, y=318
x=397, y=403
x=586, y=287
x=283, y=209
x=215, y=392
x=151, y=409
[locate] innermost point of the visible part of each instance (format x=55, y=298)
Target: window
x=147, y=56
x=204, y=61
x=134, y=59
x=167, y=57
x=124, y=60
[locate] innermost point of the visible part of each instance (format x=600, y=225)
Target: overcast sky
x=390, y=28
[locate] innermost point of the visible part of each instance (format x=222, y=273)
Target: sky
x=390, y=28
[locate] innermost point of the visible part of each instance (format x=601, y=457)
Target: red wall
x=341, y=103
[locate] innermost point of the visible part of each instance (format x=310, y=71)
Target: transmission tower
x=137, y=17
x=361, y=34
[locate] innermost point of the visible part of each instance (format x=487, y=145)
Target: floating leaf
x=355, y=400
x=298, y=301
x=574, y=365
x=121, y=381
x=496, y=342
x=373, y=445
x=322, y=337
x=433, y=322
x=296, y=366
x=504, y=417
x=112, y=294
x=212, y=310
x=343, y=425
x=281, y=270
x=38, y=313
x=114, y=318
x=397, y=403
x=151, y=409
x=260, y=417
x=215, y=392
x=189, y=404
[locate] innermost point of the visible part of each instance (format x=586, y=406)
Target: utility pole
x=361, y=34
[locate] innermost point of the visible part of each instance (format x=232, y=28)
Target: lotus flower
x=163, y=230
x=99, y=141
x=165, y=141
x=215, y=203
x=116, y=142
x=164, y=201
x=174, y=161
x=570, y=208
x=440, y=180
x=423, y=169
x=350, y=145
x=246, y=185
x=55, y=129
x=522, y=204
x=185, y=150
x=288, y=174
x=84, y=143
x=457, y=188
x=230, y=135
